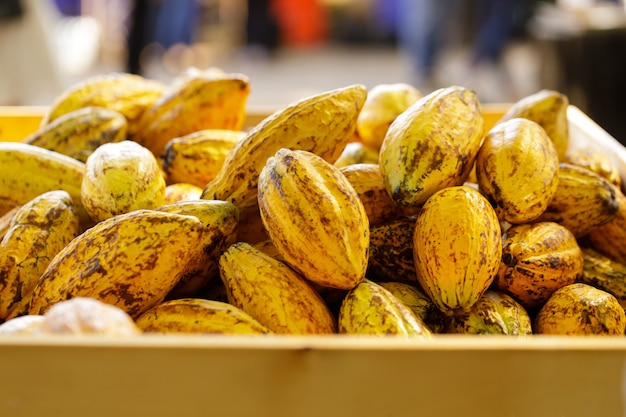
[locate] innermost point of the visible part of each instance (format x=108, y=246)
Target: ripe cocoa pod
x=517, y=170
x=431, y=145
x=315, y=218
x=457, y=247
x=580, y=309
x=538, y=259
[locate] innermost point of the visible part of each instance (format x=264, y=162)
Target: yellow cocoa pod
x=597, y=162
x=517, y=169
x=420, y=304
x=322, y=124
x=131, y=260
x=198, y=316
x=457, y=247
x=78, y=133
x=119, y=178
x=221, y=220
x=197, y=101
x=83, y=315
x=196, y=158
x=494, y=313
x=432, y=145
x=370, y=309
x=368, y=182
x=181, y=191
x=273, y=293
x=28, y=171
x=128, y=94
x=391, y=251
x=580, y=309
x=604, y=273
x=357, y=153
x=583, y=200
x=5, y=221
x=548, y=108
x=384, y=103
x=538, y=259
x=315, y=218
x=39, y=230
x=610, y=238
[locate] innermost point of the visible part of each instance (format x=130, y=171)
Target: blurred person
x=427, y=27
x=29, y=73
x=261, y=25
x=422, y=31
x=162, y=22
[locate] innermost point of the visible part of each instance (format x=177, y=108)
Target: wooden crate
x=292, y=376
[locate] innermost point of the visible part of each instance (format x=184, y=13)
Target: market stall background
x=291, y=49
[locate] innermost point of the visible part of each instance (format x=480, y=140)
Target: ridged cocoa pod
x=583, y=200
x=416, y=299
x=604, y=273
x=315, y=218
x=597, y=162
x=391, y=251
x=367, y=181
x=494, y=313
x=457, y=246
x=78, y=133
x=272, y=293
x=610, y=238
x=196, y=158
x=538, y=259
x=322, y=124
x=197, y=100
x=431, y=145
x=517, y=169
x=548, y=108
x=580, y=309
x=371, y=309
x=221, y=221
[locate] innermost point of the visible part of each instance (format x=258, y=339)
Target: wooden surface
x=310, y=376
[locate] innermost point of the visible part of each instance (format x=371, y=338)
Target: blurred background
x=290, y=49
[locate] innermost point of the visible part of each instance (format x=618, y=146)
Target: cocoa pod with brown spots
x=131, y=260
x=78, y=133
x=272, y=293
x=412, y=296
x=432, y=145
x=583, y=200
x=548, y=108
x=457, y=247
x=517, y=169
x=196, y=100
x=370, y=309
x=198, y=316
x=538, y=259
x=580, y=309
x=391, y=251
x=314, y=218
x=221, y=222
x=494, y=313
x=368, y=182
x=610, y=238
x=322, y=124
x=604, y=273
x=38, y=231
